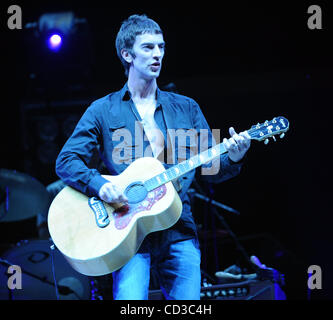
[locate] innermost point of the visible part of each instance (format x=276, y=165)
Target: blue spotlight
x=54, y=41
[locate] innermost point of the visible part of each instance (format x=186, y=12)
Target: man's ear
x=126, y=55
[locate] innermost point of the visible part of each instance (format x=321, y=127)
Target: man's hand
x=111, y=194
x=237, y=145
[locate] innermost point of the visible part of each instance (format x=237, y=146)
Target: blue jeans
x=177, y=268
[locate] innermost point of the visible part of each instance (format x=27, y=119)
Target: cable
x=64, y=290
x=53, y=272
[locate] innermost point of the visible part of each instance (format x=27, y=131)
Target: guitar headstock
x=267, y=129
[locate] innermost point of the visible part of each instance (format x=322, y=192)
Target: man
x=173, y=252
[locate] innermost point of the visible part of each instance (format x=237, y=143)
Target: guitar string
x=169, y=172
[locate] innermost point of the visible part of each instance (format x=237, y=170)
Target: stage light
x=58, y=52
x=56, y=29
x=55, y=42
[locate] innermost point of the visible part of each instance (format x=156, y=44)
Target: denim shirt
x=112, y=127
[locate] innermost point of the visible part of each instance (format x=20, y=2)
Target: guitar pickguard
x=124, y=214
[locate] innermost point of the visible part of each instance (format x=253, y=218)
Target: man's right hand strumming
x=111, y=193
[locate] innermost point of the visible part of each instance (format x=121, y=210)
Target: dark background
x=243, y=63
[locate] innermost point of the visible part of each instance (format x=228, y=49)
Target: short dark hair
x=130, y=28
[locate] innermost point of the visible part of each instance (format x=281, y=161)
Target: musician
x=111, y=124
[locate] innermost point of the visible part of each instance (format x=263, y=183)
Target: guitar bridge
x=101, y=215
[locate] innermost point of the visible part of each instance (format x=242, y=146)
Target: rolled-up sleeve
x=72, y=164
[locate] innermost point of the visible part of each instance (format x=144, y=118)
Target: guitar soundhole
x=136, y=192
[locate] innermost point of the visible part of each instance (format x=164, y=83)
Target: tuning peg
x=282, y=135
x=266, y=141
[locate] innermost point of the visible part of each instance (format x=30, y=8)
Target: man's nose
x=157, y=52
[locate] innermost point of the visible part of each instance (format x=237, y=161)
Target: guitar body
x=94, y=249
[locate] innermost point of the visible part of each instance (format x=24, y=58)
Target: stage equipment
x=55, y=41
x=45, y=127
x=56, y=28
x=21, y=196
x=205, y=197
x=215, y=203
x=59, y=54
x=245, y=290
x=264, y=284
x=45, y=274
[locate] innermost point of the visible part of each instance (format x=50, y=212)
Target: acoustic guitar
x=98, y=238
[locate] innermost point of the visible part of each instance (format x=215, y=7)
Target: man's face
x=149, y=51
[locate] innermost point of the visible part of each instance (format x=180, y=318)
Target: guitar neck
x=184, y=167
x=259, y=132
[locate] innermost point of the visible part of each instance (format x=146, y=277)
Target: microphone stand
x=203, y=196
x=217, y=204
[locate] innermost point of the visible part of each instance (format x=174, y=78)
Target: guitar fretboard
x=184, y=167
x=258, y=132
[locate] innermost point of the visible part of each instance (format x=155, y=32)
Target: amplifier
x=246, y=290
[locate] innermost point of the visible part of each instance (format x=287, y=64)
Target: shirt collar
x=126, y=95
